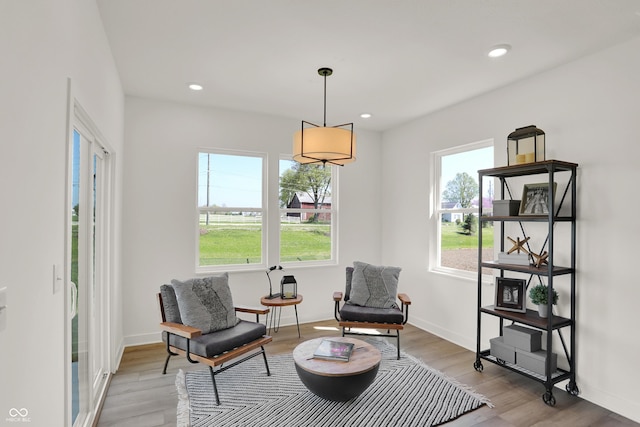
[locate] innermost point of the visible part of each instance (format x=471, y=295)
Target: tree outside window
x=307, y=212
x=456, y=206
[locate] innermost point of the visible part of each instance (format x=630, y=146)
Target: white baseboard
x=142, y=339
x=443, y=333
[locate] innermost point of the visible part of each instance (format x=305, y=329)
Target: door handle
x=74, y=299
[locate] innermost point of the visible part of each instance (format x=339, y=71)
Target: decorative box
x=522, y=338
x=536, y=361
x=506, y=207
x=502, y=351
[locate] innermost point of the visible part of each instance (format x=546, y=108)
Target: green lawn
x=230, y=244
x=305, y=242
x=240, y=243
x=453, y=237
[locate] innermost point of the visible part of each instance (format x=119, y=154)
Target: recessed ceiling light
x=499, y=50
x=365, y=115
x=195, y=86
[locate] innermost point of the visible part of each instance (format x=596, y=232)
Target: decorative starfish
x=518, y=245
x=540, y=259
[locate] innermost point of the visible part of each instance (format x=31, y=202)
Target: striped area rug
x=405, y=393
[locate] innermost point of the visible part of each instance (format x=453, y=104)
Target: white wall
x=42, y=43
x=162, y=142
x=589, y=110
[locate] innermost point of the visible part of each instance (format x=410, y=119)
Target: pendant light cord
x=325, y=100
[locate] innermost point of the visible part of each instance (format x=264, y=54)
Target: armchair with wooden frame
x=215, y=348
x=353, y=318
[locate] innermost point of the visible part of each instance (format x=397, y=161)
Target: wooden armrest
x=337, y=296
x=182, y=330
x=404, y=298
x=254, y=310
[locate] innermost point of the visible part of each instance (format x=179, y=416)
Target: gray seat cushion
x=356, y=313
x=218, y=342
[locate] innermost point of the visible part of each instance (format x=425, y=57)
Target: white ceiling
x=395, y=59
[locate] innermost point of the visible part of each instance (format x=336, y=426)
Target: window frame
x=437, y=211
x=263, y=211
x=333, y=260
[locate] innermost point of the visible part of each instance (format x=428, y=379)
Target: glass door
x=87, y=273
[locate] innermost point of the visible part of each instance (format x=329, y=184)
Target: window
x=308, y=213
x=231, y=214
x=456, y=207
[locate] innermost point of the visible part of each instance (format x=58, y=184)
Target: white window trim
x=264, y=211
x=436, y=211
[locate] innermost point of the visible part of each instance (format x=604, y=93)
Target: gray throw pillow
x=374, y=286
x=206, y=303
x=170, y=304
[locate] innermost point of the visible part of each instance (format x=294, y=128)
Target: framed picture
x=535, y=199
x=510, y=294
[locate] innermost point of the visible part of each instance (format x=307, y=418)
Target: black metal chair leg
x=166, y=363
x=398, y=342
x=215, y=387
x=266, y=364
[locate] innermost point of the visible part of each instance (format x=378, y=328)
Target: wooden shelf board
x=529, y=169
x=530, y=318
x=556, y=376
x=530, y=269
x=526, y=218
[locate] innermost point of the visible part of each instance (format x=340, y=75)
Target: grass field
x=453, y=238
x=241, y=243
x=237, y=240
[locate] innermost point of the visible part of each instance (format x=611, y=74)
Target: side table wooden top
x=364, y=358
x=280, y=302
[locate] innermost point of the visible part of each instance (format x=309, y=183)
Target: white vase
x=543, y=309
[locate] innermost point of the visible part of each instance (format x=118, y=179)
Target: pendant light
x=335, y=145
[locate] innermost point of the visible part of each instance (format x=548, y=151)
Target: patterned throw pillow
x=374, y=286
x=206, y=303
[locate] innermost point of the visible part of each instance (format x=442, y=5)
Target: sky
x=469, y=162
x=236, y=181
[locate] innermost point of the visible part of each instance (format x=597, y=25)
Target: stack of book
x=516, y=259
x=334, y=350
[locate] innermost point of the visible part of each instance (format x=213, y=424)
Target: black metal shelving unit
x=552, y=324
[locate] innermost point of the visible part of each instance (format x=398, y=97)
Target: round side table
x=277, y=304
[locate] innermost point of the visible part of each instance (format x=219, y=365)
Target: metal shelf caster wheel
x=501, y=362
x=572, y=388
x=549, y=398
x=477, y=365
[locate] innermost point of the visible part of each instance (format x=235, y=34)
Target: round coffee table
x=336, y=380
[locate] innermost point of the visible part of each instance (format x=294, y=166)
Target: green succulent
x=539, y=293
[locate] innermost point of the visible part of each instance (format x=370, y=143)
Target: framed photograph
x=535, y=199
x=511, y=294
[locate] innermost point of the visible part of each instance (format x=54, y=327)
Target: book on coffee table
x=334, y=350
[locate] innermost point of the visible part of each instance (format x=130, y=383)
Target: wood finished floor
x=139, y=395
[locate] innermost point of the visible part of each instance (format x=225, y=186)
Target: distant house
x=487, y=206
x=451, y=216
x=294, y=204
x=304, y=201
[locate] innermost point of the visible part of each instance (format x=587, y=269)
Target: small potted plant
x=539, y=294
